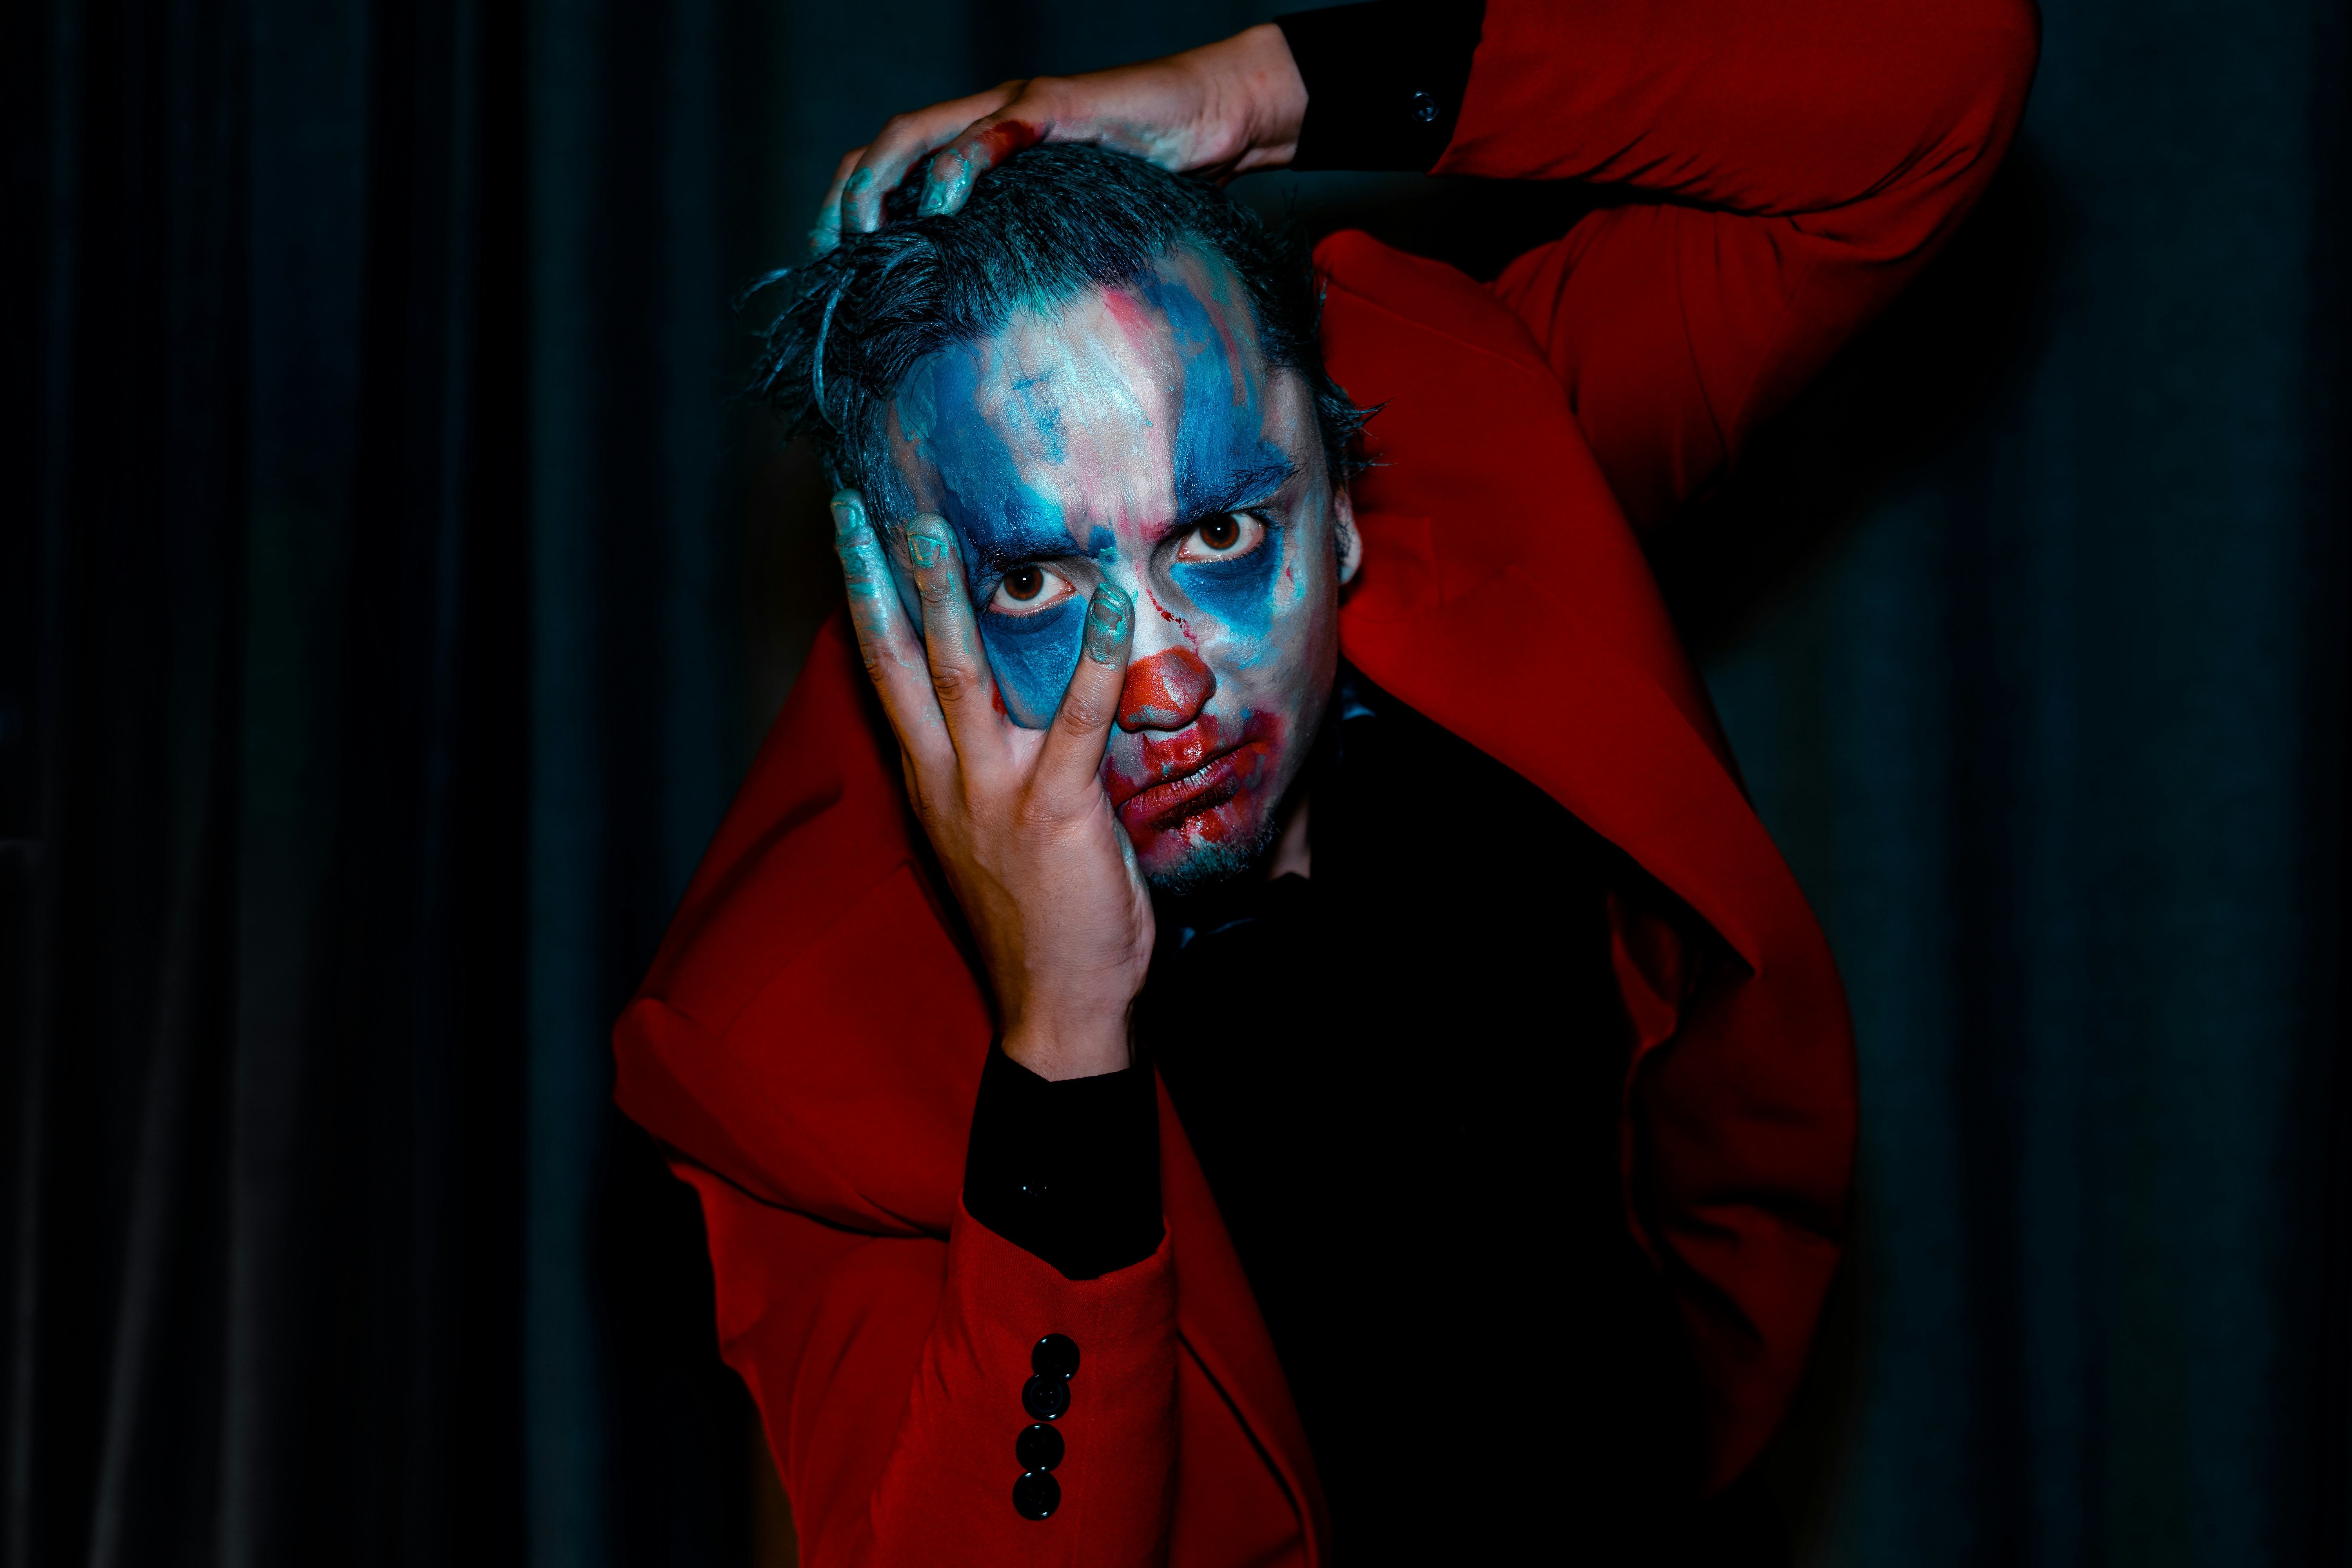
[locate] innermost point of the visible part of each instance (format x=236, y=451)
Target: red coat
x=810, y=1040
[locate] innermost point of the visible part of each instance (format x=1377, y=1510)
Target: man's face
x=1135, y=435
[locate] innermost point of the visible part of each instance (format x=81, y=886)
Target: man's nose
x=1165, y=692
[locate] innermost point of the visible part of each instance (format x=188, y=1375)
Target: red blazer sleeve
x=1809, y=155
x=888, y=1370
x=809, y=1048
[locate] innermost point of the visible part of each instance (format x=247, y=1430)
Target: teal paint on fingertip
x=1108, y=618
x=938, y=193
x=925, y=550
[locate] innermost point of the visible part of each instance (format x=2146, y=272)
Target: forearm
x=1784, y=108
x=890, y=1375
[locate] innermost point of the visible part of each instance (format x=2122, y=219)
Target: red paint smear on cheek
x=1171, y=618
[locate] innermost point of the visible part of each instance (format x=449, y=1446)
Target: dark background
x=390, y=595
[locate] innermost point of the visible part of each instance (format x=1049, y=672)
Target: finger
x=903, y=139
x=827, y=232
x=959, y=676
x=887, y=642
x=979, y=147
x=1071, y=759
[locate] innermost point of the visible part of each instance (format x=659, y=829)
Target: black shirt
x=1402, y=1078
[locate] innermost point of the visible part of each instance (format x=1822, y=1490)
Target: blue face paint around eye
x=1239, y=592
x=1033, y=657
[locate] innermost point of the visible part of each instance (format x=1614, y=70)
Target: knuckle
x=950, y=682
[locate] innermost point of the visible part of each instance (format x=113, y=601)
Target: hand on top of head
x=1222, y=110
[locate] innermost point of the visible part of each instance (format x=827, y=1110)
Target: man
x=1328, y=1025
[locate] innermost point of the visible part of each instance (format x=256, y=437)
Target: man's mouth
x=1165, y=805
x=1187, y=775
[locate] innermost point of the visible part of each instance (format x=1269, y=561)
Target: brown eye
x=1224, y=539
x=1023, y=583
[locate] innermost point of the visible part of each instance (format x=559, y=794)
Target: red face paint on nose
x=1166, y=691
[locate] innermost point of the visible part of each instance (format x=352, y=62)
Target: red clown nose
x=1166, y=691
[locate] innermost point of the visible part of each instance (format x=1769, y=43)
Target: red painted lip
x=1167, y=758
x=1162, y=806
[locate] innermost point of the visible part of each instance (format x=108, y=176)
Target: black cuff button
x=1425, y=108
x=1036, y=1495
x=1038, y=1447
x=1044, y=1398
x=1056, y=1356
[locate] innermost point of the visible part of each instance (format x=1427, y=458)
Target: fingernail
x=939, y=186
x=850, y=217
x=925, y=549
x=849, y=516
x=1107, y=619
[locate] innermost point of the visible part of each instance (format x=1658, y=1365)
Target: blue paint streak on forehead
x=998, y=516
x=1000, y=519
x=1221, y=447
x=1220, y=427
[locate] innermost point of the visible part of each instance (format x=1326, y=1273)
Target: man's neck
x=1290, y=855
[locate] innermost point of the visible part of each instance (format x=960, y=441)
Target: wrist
x=1255, y=96
x=1087, y=1046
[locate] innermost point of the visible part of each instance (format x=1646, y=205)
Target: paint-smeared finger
x=827, y=232
x=905, y=138
x=960, y=674
x=1071, y=759
x=981, y=146
x=887, y=639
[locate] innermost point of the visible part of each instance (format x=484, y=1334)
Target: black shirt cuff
x=1384, y=80
x=1067, y=1171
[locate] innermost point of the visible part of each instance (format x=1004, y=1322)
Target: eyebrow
x=1018, y=545
x=1231, y=490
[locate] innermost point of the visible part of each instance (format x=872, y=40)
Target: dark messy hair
x=1045, y=225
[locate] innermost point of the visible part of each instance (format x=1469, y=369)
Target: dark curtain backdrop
x=390, y=596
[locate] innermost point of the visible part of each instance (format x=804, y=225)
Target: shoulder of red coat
x=1432, y=295
x=820, y=821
